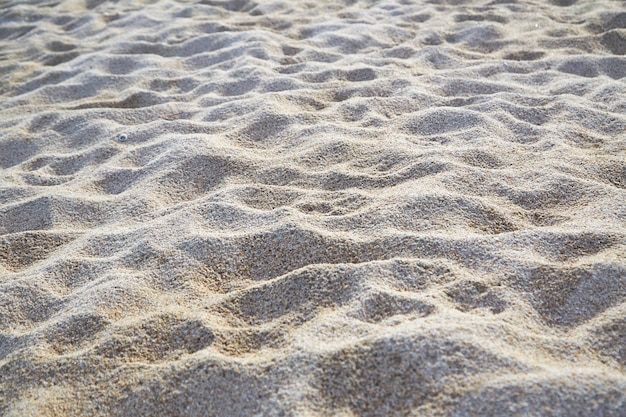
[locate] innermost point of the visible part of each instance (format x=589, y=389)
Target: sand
x=298, y=208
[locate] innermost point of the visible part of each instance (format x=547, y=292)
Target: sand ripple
x=332, y=208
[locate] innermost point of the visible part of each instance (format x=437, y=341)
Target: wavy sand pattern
x=351, y=208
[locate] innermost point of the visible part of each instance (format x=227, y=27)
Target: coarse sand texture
x=313, y=208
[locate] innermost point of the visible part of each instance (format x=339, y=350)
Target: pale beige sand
x=357, y=208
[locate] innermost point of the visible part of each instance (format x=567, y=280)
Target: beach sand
x=298, y=208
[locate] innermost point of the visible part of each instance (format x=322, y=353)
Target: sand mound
x=238, y=208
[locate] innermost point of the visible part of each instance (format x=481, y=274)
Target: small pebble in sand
x=122, y=137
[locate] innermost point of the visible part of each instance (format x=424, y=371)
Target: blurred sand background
x=312, y=208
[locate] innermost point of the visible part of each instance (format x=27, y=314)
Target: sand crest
x=274, y=208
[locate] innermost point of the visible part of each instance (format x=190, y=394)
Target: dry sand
x=313, y=208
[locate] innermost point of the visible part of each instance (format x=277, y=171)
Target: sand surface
x=312, y=208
